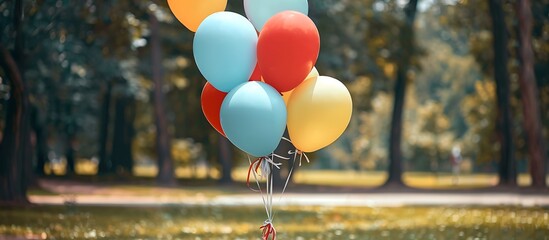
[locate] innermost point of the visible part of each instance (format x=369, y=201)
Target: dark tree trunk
x=13, y=186
x=15, y=163
x=226, y=160
x=70, y=153
x=105, y=165
x=70, y=140
x=165, y=163
x=129, y=133
x=406, y=46
x=123, y=135
x=529, y=95
x=507, y=170
x=41, y=148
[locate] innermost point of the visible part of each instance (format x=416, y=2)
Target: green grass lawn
x=73, y=222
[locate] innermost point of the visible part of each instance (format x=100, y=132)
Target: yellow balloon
x=312, y=75
x=319, y=111
x=192, y=12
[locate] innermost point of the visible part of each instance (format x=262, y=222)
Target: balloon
x=260, y=11
x=256, y=75
x=192, y=12
x=211, y=100
x=253, y=116
x=312, y=75
x=287, y=49
x=319, y=110
x=225, y=50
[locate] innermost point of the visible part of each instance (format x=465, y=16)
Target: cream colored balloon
x=319, y=111
x=312, y=75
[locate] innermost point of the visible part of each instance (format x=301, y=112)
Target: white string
x=287, y=181
x=259, y=187
x=271, y=197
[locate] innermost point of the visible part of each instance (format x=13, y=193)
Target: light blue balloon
x=253, y=116
x=259, y=11
x=225, y=49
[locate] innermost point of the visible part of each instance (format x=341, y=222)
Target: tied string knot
x=296, y=152
x=301, y=154
x=268, y=230
x=263, y=163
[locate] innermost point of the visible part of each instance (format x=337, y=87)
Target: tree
x=507, y=169
x=105, y=165
x=226, y=159
x=529, y=95
x=15, y=140
x=395, y=139
x=121, y=155
x=166, y=174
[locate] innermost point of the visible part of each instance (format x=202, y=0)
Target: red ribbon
x=257, y=163
x=268, y=229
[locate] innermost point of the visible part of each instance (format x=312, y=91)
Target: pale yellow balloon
x=319, y=111
x=192, y=12
x=312, y=75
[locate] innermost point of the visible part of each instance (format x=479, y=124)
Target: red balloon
x=256, y=75
x=211, y=100
x=287, y=49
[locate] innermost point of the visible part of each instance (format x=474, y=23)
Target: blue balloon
x=253, y=116
x=259, y=11
x=225, y=50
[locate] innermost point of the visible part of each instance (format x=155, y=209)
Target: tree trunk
x=15, y=163
x=70, y=154
x=41, y=148
x=129, y=133
x=70, y=140
x=165, y=163
x=123, y=135
x=105, y=165
x=226, y=160
x=507, y=169
x=13, y=187
x=406, y=49
x=529, y=95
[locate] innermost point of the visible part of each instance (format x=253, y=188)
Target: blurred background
x=101, y=98
x=90, y=69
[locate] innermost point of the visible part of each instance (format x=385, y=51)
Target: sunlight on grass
x=71, y=222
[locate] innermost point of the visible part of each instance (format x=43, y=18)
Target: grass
x=72, y=222
x=374, y=179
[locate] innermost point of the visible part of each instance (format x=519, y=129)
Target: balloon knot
x=299, y=153
x=268, y=230
x=263, y=163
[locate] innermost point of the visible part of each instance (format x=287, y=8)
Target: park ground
x=320, y=205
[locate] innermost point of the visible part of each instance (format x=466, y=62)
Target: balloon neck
x=299, y=153
x=262, y=167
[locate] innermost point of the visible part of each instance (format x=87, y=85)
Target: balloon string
x=287, y=181
x=258, y=163
x=296, y=152
x=250, y=169
x=301, y=155
x=259, y=187
x=268, y=231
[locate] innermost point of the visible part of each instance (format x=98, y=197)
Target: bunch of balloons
x=261, y=75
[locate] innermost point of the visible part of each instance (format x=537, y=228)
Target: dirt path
x=80, y=193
